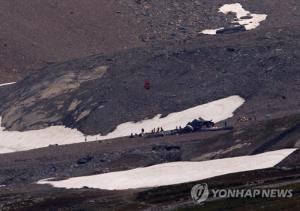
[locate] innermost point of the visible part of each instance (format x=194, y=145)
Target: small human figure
x=225, y=124
x=157, y=130
x=143, y=131
x=131, y=135
x=147, y=84
x=85, y=139
x=161, y=129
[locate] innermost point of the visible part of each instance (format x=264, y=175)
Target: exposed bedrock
x=97, y=93
x=46, y=102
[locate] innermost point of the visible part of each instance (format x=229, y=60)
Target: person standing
x=147, y=84
x=143, y=131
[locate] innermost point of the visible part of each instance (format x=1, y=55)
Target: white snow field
x=216, y=111
x=6, y=84
x=244, y=17
x=12, y=141
x=173, y=173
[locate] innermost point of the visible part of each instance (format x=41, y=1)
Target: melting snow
x=211, y=31
x=12, y=141
x=216, y=111
x=6, y=84
x=173, y=173
x=244, y=18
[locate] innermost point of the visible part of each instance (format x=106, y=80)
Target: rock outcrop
x=97, y=93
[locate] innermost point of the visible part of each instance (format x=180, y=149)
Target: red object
x=146, y=84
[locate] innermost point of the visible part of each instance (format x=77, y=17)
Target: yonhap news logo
x=201, y=193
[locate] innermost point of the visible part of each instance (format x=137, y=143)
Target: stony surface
x=185, y=69
x=127, y=153
x=34, y=33
x=19, y=170
x=131, y=41
x=264, y=72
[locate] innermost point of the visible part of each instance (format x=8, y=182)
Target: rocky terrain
x=83, y=92
x=82, y=64
x=246, y=64
x=126, y=153
x=20, y=170
x=34, y=34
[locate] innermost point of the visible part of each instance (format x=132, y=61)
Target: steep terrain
x=18, y=171
x=83, y=64
x=35, y=33
x=262, y=68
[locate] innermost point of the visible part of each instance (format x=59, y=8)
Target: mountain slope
x=97, y=93
x=34, y=33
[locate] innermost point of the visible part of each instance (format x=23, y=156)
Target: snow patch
x=211, y=31
x=173, y=173
x=12, y=141
x=243, y=17
x=216, y=111
x=6, y=84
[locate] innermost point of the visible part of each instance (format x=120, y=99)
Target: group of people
x=193, y=126
x=157, y=130
x=153, y=131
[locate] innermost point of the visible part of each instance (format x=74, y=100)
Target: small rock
x=85, y=160
x=230, y=30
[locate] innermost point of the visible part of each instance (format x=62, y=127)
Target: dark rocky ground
x=262, y=68
x=176, y=197
x=126, y=153
x=83, y=64
x=19, y=171
x=34, y=33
